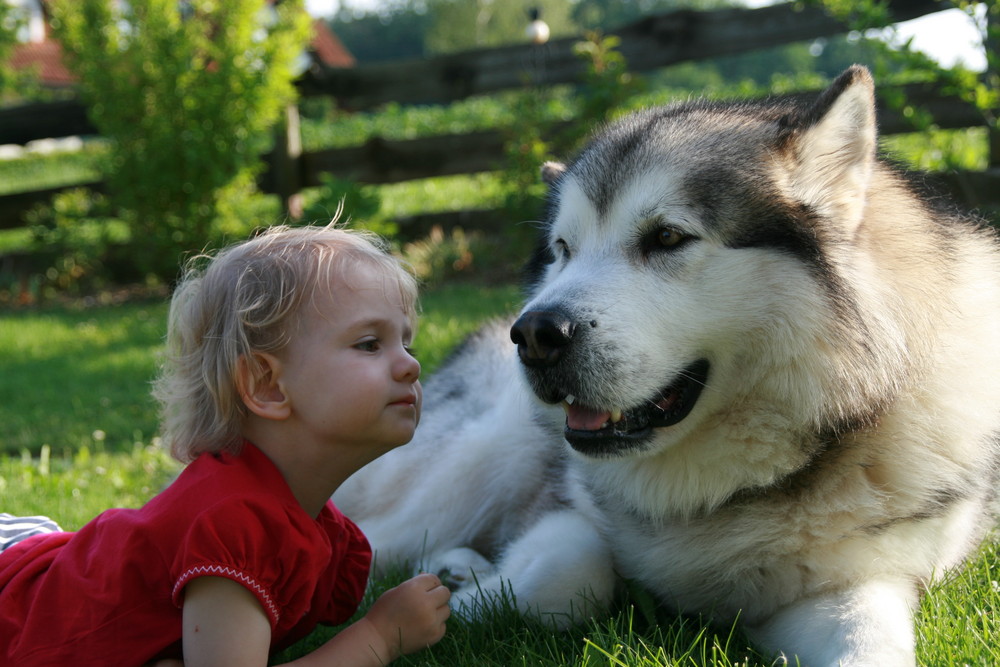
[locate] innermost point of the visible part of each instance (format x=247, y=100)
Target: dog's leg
x=559, y=570
x=459, y=567
x=870, y=625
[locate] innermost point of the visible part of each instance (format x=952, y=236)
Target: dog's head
x=689, y=265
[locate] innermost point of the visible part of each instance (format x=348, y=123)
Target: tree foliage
x=8, y=39
x=186, y=92
x=13, y=83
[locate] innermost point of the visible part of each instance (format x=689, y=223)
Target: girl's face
x=348, y=370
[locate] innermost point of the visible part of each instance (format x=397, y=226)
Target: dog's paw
x=460, y=567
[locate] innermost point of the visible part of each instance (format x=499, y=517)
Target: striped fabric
x=13, y=529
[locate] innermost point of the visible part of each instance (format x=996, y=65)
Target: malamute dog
x=755, y=374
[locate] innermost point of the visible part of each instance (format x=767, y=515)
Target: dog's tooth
x=570, y=399
x=616, y=416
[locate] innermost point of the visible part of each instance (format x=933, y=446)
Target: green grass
x=73, y=488
x=73, y=372
x=79, y=378
x=960, y=617
x=627, y=637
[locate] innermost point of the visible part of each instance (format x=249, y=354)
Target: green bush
x=13, y=83
x=78, y=243
x=354, y=204
x=187, y=93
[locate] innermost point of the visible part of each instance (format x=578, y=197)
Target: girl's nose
x=408, y=367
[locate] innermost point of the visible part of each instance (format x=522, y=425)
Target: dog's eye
x=670, y=238
x=664, y=239
x=562, y=249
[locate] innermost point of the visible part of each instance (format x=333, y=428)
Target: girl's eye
x=410, y=351
x=368, y=345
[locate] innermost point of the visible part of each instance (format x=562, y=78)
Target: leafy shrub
x=439, y=257
x=13, y=83
x=77, y=241
x=357, y=205
x=186, y=92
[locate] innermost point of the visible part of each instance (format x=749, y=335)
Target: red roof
x=45, y=58
x=328, y=48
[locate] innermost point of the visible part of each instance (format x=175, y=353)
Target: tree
x=8, y=39
x=12, y=82
x=186, y=91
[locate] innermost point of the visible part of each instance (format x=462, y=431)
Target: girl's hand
x=411, y=616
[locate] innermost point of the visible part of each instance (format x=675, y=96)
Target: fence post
x=287, y=162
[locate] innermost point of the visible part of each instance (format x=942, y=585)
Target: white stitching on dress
x=235, y=575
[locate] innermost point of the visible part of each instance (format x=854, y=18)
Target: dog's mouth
x=606, y=432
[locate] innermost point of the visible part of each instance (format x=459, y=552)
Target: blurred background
x=133, y=134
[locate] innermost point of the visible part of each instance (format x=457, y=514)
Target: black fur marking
x=615, y=153
x=790, y=227
x=938, y=505
x=601, y=167
x=821, y=448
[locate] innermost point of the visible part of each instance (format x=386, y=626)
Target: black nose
x=541, y=336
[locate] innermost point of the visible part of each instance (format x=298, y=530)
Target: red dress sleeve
x=277, y=553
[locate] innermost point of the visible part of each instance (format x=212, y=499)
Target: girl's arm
x=224, y=625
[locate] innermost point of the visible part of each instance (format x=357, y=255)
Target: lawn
x=78, y=428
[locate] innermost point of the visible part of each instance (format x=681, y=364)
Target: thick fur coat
x=778, y=372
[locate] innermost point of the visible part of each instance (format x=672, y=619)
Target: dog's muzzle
x=544, y=339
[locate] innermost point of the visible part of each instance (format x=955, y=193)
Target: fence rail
x=650, y=43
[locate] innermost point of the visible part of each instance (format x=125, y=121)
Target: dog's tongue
x=580, y=418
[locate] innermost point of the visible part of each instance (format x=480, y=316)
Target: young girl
x=288, y=369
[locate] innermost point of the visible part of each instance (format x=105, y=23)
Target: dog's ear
x=833, y=146
x=552, y=171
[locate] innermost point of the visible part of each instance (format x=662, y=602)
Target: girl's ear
x=258, y=384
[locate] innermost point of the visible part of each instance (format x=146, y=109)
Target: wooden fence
x=650, y=43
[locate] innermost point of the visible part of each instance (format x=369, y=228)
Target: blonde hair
x=245, y=300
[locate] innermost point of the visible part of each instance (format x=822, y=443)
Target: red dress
x=111, y=594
